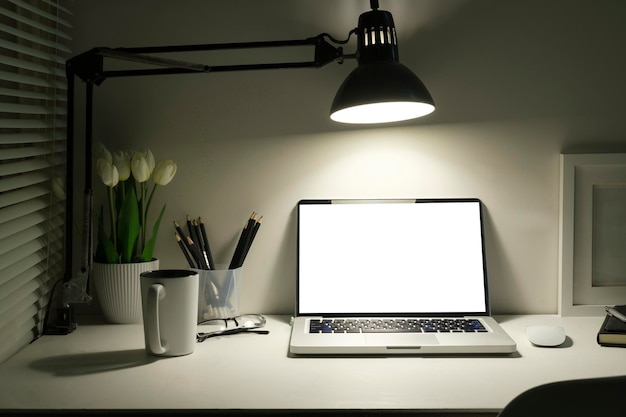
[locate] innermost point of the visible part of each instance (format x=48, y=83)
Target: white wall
x=516, y=83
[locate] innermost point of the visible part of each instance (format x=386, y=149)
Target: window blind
x=35, y=41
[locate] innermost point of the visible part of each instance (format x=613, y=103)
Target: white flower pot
x=119, y=291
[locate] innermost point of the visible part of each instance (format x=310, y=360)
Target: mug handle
x=155, y=293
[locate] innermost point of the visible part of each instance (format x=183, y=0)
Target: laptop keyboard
x=409, y=325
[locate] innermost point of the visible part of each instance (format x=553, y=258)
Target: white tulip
x=108, y=173
x=164, y=172
x=149, y=159
x=140, y=167
x=121, y=160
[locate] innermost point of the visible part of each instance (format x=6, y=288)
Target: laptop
x=393, y=277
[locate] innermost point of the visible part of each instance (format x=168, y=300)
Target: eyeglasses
x=248, y=323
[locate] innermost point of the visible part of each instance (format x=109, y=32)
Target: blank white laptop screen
x=391, y=257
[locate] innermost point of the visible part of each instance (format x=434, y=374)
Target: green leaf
x=128, y=225
x=146, y=256
x=105, y=251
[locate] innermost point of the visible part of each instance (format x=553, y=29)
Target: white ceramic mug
x=169, y=300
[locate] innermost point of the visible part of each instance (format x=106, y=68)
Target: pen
x=613, y=312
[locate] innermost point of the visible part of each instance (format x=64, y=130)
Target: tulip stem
x=113, y=220
x=150, y=198
x=143, y=217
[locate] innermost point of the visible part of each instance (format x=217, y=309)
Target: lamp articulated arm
x=89, y=67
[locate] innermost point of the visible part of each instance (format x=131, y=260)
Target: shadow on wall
x=492, y=60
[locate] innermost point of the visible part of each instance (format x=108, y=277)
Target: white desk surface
x=102, y=366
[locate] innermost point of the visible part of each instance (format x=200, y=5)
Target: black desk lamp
x=379, y=90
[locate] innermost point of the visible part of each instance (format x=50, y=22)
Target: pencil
x=184, y=250
x=207, y=247
x=253, y=233
x=195, y=252
x=194, y=238
x=197, y=238
x=183, y=237
x=234, y=263
x=189, y=228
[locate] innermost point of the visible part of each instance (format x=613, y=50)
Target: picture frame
x=592, y=221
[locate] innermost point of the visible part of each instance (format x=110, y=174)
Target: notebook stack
x=613, y=329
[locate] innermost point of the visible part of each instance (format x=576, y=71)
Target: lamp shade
x=380, y=89
x=381, y=92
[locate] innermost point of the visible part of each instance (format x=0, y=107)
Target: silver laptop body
x=418, y=264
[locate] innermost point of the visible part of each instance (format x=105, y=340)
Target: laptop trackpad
x=401, y=339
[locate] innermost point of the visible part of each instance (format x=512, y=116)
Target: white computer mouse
x=548, y=336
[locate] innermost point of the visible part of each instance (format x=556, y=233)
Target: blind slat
x=21, y=152
x=16, y=269
x=32, y=80
x=40, y=12
x=35, y=24
x=31, y=109
x=44, y=95
x=46, y=70
x=23, y=194
x=27, y=166
x=31, y=124
x=25, y=307
x=33, y=38
x=32, y=52
x=26, y=250
x=24, y=180
x=59, y=6
x=30, y=138
x=15, y=211
x=11, y=232
x=32, y=166
x=31, y=280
